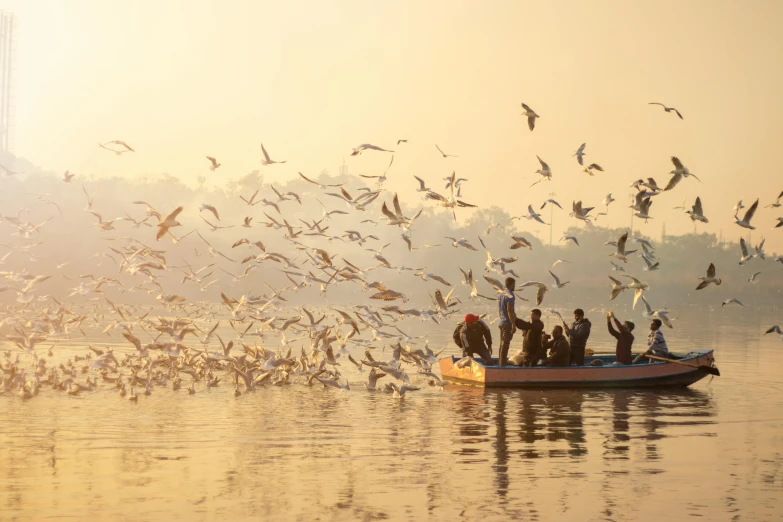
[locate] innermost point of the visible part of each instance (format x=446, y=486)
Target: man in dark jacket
x=577, y=335
x=560, y=352
x=531, y=341
x=470, y=336
x=624, y=338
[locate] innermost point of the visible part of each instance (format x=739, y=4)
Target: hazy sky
x=182, y=79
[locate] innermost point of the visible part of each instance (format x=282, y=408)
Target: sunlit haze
x=179, y=80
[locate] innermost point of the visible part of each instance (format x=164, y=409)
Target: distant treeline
x=68, y=236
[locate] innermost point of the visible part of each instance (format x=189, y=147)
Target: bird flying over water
x=125, y=146
x=531, y=116
x=541, y=289
x=667, y=109
x=214, y=162
x=580, y=153
x=267, y=160
x=621, y=253
x=593, y=166
x=168, y=222
x=710, y=278
x=746, y=256
x=696, y=213
x=366, y=146
x=745, y=221
x=680, y=171
x=777, y=203
x=544, y=171
x=443, y=153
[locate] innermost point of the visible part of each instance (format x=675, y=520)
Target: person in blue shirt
x=508, y=318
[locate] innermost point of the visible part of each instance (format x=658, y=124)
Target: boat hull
x=654, y=375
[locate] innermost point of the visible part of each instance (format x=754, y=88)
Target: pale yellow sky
x=182, y=79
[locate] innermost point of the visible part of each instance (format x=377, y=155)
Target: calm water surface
x=714, y=450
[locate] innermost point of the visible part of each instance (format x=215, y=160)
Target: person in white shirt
x=656, y=344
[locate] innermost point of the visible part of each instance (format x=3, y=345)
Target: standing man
x=507, y=319
x=532, y=341
x=577, y=335
x=624, y=338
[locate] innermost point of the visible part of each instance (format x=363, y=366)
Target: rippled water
x=714, y=450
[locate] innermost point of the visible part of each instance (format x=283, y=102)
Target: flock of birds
x=189, y=343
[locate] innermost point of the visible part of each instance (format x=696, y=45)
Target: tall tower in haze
x=7, y=49
x=344, y=168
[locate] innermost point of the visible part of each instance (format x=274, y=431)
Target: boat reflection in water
x=571, y=440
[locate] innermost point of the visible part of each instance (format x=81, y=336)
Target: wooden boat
x=683, y=372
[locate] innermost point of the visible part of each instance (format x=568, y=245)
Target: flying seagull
x=662, y=315
x=621, y=253
x=542, y=289
x=580, y=213
x=553, y=202
x=705, y=281
x=422, y=185
x=531, y=214
x=116, y=142
x=267, y=160
x=580, y=153
x=667, y=109
x=544, y=171
x=696, y=213
x=680, y=171
x=531, y=116
x=746, y=256
x=214, y=162
x=366, y=146
x=776, y=329
x=644, y=210
x=593, y=166
x=618, y=288
x=745, y=221
x=557, y=284
x=444, y=154
x=777, y=202
x=520, y=242
x=168, y=222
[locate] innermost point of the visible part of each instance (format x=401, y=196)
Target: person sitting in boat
x=559, y=351
x=656, y=344
x=624, y=338
x=578, y=334
x=470, y=336
x=531, y=340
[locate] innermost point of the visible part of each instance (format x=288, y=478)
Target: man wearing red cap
x=470, y=336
